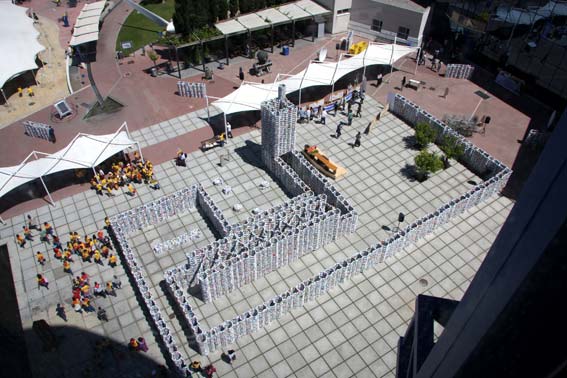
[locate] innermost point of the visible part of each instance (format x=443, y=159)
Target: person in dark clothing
x=358, y=109
x=357, y=140
x=52, y=138
x=241, y=73
x=403, y=83
x=339, y=129
x=336, y=107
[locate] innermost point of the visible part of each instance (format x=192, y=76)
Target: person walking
x=109, y=290
x=60, y=311
x=40, y=258
x=42, y=281
x=339, y=130
x=403, y=83
x=210, y=370
x=379, y=79
x=323, y=119
x=31, y=224
x=20, y=92
x=52, y=138
x=336, y=107
x=308, y=115
x=241, y=74
x=229, y=130
x=27, y=233
x=357, y=140
x=133, y=345
x=67, y=267
x=358, y=110
x=116, y=283
x=231, y=354
x=30, y=90
x=142, y=344
x=21, y=240
x=196, y=366
x=349, y=117
x=112, y=260
x=101, y=314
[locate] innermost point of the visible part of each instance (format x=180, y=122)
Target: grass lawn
x=140, y=30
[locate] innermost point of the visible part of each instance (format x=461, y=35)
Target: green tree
x=214, y=6
x=246, y=6
x=222, y=10
x=153, y=57
x=180, y=19
x=424, y=134
x=451, y=148
x=426, y=163
x=234, y=7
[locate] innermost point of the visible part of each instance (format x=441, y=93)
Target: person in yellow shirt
x=40, y=258
x=86, y=255
x=30, y=92
x=112, y=260
x=98, y=257
x=21, y=241
x=20, y=92
x=67, y=267
x=131, y=190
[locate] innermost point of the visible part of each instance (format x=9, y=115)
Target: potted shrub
x=424, y=134
x=452, y=149
x=153, y=57
x=426, y=163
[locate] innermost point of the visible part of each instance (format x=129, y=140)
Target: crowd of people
x=125, y=173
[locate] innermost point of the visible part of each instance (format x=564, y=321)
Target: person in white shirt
x=229, y=130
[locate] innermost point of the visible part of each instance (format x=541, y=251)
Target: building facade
x=339, y=20
x=385, y=20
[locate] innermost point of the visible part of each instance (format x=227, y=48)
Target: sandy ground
x=52, y=78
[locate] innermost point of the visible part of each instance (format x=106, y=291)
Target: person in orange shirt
x=105, y=251
x=21, y=241
x=100, y=235
x=27, y=233
x=112, y=261
x=57, y=253
x=40, y=258
x=48, y=228
x=42, y=281
x=133, y=345
x=67, y=267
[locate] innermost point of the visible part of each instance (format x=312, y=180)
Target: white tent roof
x=249, y=96
x=273, y=15
x=88, y=24
x=87, y=21
x=18, y=42
x=311, y=7
x=293, y=11
x=257, y=20
x=252, y=21
x=84, y=151
x=230, y=27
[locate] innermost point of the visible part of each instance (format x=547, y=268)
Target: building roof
x=403, y=4
x=86, y=28
x=298, y=10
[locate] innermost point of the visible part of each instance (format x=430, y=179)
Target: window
x=342, y=11
x=376, y=25
x=403, y=33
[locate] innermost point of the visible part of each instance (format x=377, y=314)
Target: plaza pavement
x=352, y=331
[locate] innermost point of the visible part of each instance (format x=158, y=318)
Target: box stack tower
x=279, y=117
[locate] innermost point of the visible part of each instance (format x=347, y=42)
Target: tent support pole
x=417, y=60
x=301, y=83
x=226, y=49
x=293, y=33
x=272, y=37
x=177, y=59
x=48, y=194
x=140, y=151
x=392, y=57
x=208, y=110
x=225, y=131
x=203, y=55
x=333, y=80
x=4, y=95
x=364, y=64
x=2, y=220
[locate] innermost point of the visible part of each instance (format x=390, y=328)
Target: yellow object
x=357, y=48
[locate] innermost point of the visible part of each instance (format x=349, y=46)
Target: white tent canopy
x=84, y=151
x=18, y=42
x=88, y=20
x=249, y=96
